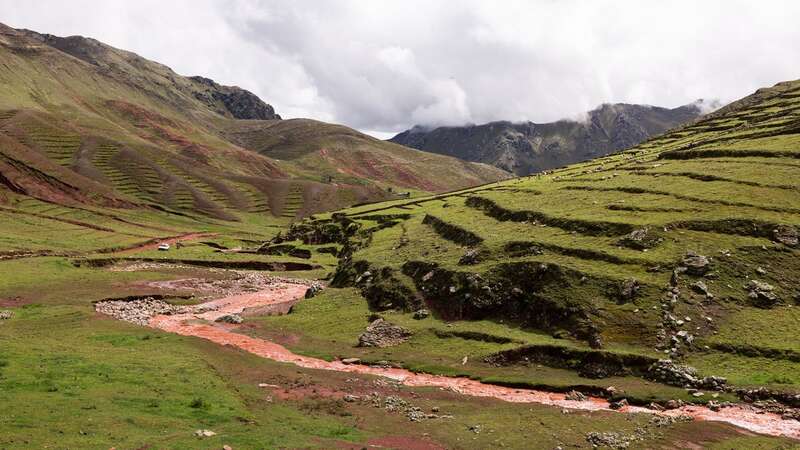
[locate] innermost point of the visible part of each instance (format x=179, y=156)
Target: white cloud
x=384, y=66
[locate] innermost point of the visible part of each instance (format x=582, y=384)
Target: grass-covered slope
x=684, y=247
x=85, y=123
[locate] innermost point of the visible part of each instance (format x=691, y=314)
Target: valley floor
x=75, y=378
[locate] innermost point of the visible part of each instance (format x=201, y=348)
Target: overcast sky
x=382, y=66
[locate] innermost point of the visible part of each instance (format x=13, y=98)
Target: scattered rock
x=610, y=440
x=138, y=311
x=313, y=290
x=660, y=421
x=629, y=289
x=641, y=239
x=470, y=257
x=700, y=287
x=674, y=404
x=575, y=396
x=230, y=318
x=761, y=294
x=350, y=398
x=786, y=235
x=618, y=404
x=381, y=333
x=595, y=341
x=421, y=314
x=696, y=264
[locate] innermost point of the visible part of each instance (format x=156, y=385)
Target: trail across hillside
x=202, y=325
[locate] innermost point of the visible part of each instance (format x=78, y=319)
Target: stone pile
x=137, y=311
x=668, y=372
x=381, y=333
x=5, y=315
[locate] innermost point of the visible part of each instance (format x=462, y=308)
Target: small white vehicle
x=163, y=247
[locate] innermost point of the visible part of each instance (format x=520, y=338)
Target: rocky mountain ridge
x=527, y=147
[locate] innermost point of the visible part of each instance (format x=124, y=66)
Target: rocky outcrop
x=527, y=147
x=786, y=235
x=762, y=294
x=232, y=100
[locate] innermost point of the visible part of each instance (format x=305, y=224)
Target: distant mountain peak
x=527, y=147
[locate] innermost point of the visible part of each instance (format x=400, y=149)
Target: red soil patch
x=13, y=302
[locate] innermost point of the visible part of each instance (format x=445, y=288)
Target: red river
x=202, y=325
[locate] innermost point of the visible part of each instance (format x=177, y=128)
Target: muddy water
x=203, y=326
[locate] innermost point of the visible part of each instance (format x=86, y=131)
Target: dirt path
x=202, y=325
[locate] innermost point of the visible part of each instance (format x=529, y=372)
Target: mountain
x=82, y=122
x=526, y=147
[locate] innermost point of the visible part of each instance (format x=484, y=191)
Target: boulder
x=761, y=294
x=700, y=287
x=629, y=289
x=575, y=396
x=381, y=333
x=786, y=235
x=618, y=404
x=696, y=264
x=230, y=318
x=313, y=290
x=421, y=314
x=640, y=239
x=470, y=257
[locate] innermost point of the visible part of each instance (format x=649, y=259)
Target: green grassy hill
x=684, y=247
x=85, y=123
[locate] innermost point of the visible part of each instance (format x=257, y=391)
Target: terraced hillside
x=682, y=248
x=85, y=123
